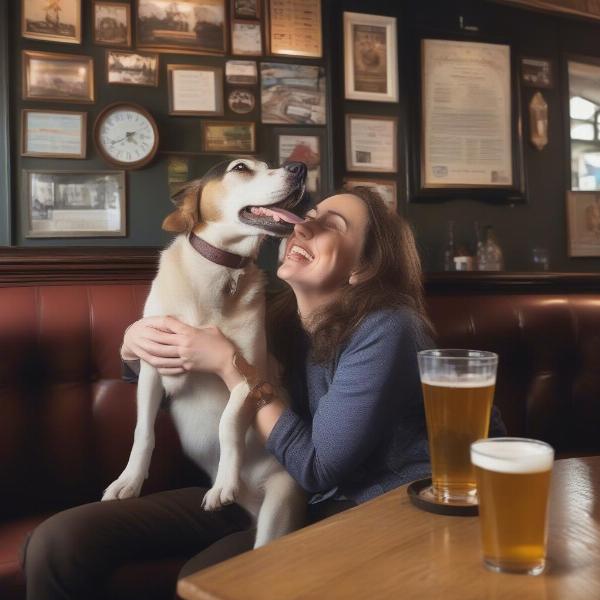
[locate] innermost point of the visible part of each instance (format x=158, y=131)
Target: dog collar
x=216, y=255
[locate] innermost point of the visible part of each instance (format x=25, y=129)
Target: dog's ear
x=187, y=214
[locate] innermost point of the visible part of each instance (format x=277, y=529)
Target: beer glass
x=458, y=390
x=513, y=483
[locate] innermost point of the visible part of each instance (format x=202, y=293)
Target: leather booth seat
x=67, y=418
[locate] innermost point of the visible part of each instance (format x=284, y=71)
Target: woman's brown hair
x=391, y=278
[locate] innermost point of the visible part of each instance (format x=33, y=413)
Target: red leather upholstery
x=67, y=418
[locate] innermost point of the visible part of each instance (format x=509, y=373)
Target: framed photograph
x=371, y=143
x=195, y=90
x=386, y=188
x=178, y=173
x=132, y=68
x=186, y=26
x=537, y=72
x=246, y=38
x=112, y=24
x=51, y=20
x=370, y=58
x=583, y=223
x=245, y=9
x=52, y=76
x=295, y=28
x=53, y=133
x=229, y=136
x=241, y=72
x=241, y=101
x=74, y=203
x=292, y=94
x=302, y=145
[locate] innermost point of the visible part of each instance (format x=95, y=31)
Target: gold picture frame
x=583, y=224
x=229, y=136
x=295, y=28
x=181, y=106
x=109, y=31
x=143, y=76
x=47, y=135
x=41, y=20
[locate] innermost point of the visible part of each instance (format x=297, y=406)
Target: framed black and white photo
x=185, y=26
x=241, y=101
x=54, y=76
x=132, y=68
x=305, y=145
x=292, y=94
x=583, y=223
x=112, y=24
x=246, y=38
x=245, y=9
x=195, y=90
x=51, y=20
x=53, y=133
x=295, y=28
x=371, y=143
x=386, y=188
x=537, y=72
x=370, y=58
x=73, y=204
x=229, y=136
x=241, y=72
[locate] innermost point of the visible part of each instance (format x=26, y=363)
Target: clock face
x=127, y=136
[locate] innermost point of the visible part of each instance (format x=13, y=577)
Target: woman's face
x=322, y=252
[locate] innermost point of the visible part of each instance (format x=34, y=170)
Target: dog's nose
x=298, y=169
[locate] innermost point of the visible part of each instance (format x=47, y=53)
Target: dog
x=221, y=219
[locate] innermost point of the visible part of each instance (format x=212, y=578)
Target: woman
x=346, y=331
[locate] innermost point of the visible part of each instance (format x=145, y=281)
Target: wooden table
x=388, y=549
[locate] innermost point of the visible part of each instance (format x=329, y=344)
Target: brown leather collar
x=218, y=256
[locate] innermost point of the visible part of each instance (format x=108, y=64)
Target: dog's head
x=244, y=194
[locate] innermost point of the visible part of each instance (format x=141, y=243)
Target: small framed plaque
x=229, y=136
x=371, y=143
x=295, y=28
x=195, y=90
x=246, y=38
x=53, y=133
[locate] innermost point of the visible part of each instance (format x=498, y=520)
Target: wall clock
x=126, y=135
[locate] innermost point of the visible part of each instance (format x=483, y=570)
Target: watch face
x=127, y=136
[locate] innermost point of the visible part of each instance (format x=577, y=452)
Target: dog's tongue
x=286, y=215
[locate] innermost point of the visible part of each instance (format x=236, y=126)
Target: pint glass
x=513, y=482
x=458, y=390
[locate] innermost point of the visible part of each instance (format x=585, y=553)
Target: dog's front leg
x=234, y=423
x=149, y=396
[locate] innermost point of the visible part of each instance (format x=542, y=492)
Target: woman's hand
x=173, y=347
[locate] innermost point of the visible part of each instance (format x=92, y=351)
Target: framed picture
x=241, y=101
x=52, y=76
x=112, y=24
x=193, y=26
x=370, y=58
x=246, y=38
x=241, y=72
x=583, y=223
x=245, y=9
x=292, y=94
x=178, y=173
x=295, y=28
x=53, y=133
x=132, y=68
x=51, y=20
x=74, y=203
x=195, y=90
x=386, y=188
x=228, y=136
x=303, y=145
x=537, y=72
x=371, y=143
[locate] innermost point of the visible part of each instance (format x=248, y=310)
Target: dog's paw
x=126, y=486
x=220, y=495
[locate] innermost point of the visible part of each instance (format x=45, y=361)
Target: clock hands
x=128, y=136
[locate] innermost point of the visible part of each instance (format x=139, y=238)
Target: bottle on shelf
x=449, y=249
x=480, y=257
x=494, y=260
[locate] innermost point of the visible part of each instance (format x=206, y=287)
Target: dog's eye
x=242, y=168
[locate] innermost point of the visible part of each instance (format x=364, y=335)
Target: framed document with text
x=295, y=28
x=371, y=144
x=195, y=90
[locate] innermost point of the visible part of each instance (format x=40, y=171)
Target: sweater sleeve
x=351, y=417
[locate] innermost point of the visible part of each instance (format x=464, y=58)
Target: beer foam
x=461, y=381
x=514, y=456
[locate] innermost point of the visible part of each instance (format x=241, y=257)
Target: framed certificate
x=195, y=90
x=246, y=38
x=295, y=28
x=371, y=144
x=53, y=133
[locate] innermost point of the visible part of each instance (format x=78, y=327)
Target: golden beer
x=458, y=413
x=513, y=483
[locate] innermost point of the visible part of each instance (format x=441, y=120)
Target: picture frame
x=229, y=136
x=111, y=23
x=195, y=90
x=537, y=72
x=53, y=76
x=370, y=58
x=53, y=133
x=74, y=204
x=292, y=94
x=246, y=38
x=241, y=101
x=124, y=67
x=246, y=9
x=371, y=143
x=295, y=28
x=583, y=224
x=51, y=21
x=386, y=188
x=167, y=26
x=241, y=72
